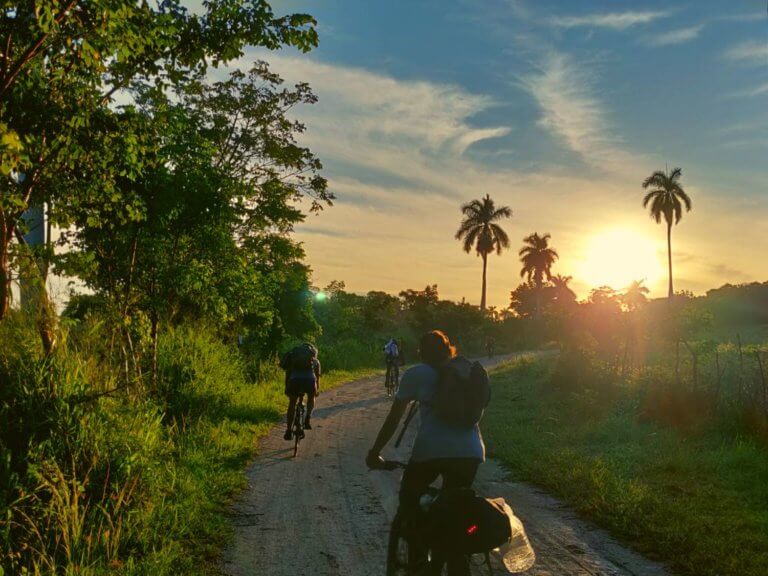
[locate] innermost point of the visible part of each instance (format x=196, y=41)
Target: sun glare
x=617, y=257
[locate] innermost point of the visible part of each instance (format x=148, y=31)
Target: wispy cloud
x=679, y=36
x=752, y=52
x=572, y=112
x=759, y=90
x=613, y=20
x=394, y=152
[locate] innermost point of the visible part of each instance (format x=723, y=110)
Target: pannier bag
x=464, y=522
x=469, y=524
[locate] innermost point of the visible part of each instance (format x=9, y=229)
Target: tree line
x=480, y=229
x=177, y=193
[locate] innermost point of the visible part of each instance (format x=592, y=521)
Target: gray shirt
x=436, y=439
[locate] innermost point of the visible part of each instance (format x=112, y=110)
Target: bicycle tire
x=298, y=428
x=395, y=566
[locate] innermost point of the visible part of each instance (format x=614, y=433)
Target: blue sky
x=558, y=109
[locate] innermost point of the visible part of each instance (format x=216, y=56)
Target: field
x=696, y=500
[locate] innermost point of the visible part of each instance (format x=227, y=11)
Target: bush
x=196, y=373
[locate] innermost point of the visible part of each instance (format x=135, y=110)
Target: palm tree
x=666, y=198
x=537, y=258
x=635, y=296
x=479, y=229
x=564, y=296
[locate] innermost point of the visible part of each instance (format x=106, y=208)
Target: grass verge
x=210, y=471
x=700, y=504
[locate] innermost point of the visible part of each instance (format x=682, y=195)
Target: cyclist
x=490, y=345
x=440, y=449
x=391, y=358
x=302, y=376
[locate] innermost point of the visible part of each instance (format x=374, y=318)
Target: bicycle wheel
x=395, y=379
x=397, y=549
x=298, y=427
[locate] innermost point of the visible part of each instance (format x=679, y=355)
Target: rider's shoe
x=307, y=425
x=288, y=435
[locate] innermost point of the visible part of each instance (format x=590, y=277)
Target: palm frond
x=500, y=235
x=686, y=199
x=655, y=179
x=647, y=198
x=503, y=212
x=469, y=239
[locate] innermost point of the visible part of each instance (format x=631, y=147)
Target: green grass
x=137, y=481
x=699, y=504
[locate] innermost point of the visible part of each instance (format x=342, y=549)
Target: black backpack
x=463, y=392
x=464, y=522
x=300, y=358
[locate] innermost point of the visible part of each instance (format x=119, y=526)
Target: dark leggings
x=456, y=473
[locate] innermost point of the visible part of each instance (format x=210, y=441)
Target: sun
x=619, y=256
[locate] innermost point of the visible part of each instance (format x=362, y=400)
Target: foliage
x=355, y=328
x=537, y=258
x=97, y=477
x=62, y=64
x=695, y=502
x=479, y=229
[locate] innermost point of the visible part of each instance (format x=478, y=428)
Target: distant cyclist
x=490, y=346
x=441, y=448
x=391, y=358
x=302, y=376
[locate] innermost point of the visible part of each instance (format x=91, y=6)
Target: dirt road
x=324, y=514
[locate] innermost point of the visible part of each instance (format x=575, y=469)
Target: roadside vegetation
x=653, y=422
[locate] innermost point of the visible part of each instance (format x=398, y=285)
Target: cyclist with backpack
x=452, y=393
x=302, y=376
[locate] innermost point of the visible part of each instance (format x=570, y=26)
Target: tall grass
x=692, y=495
x=99, y=475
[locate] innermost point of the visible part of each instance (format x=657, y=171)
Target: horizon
x=573, y=108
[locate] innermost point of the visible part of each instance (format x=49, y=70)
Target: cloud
x=680, y=36
x=571, y=111
x=755, y=92
x=394, y=152
x=612, y=21
x=752, y=52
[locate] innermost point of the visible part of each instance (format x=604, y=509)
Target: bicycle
x=298, y=425
x=392, y=378
x=400, y=560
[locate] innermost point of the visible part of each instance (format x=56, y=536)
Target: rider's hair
x=435, y=348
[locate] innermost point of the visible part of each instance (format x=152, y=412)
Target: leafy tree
x=537, y=258
x=666, y=198
x=420, y=304
x=523, y=300
x=381, y=311
x=62, y=64
x=206, y=229
x=479, y=229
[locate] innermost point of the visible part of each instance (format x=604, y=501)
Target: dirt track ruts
x=325, y=514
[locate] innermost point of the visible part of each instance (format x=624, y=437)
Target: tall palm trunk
x=669, y=257
x=485, y=268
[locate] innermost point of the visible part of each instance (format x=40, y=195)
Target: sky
x=557, y=109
